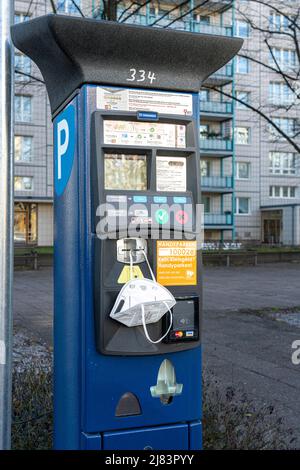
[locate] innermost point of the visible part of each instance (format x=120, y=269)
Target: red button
x=181, y=217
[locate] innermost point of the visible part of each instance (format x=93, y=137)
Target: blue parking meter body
x=125, y=108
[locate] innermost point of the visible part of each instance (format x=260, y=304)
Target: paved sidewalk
x=33, y=302
x=238, y=347
x=268, y=285
x=225, y=289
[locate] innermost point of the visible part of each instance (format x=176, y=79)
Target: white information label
x=171, y=174
x=144, y=133
x=114, y=99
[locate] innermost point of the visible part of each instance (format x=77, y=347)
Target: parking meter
x=127, y=268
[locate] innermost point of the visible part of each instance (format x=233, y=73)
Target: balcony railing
x=216, y=144
x=223, y=182
x=185, y=24
x=217, y=107
x=198, y=27
x=217, y=219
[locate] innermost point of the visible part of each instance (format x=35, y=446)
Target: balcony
x=216, y=145
x=222, y=76
x=211, y=219
x=183, y=24
x=217, y=183
x=217, y=107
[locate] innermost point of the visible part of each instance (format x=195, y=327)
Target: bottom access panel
x=173, y=437
x=158, y=438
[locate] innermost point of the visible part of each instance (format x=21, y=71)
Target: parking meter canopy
x=72, y=51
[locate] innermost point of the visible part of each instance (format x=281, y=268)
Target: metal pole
x=6, y=219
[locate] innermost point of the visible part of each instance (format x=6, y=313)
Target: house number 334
x=141, y=75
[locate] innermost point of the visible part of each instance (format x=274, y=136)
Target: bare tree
x=277, y=21
x=271, y=33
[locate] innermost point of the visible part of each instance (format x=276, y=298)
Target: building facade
x=250, y=177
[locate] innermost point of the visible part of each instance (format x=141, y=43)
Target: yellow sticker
x=177, y=262
x=125, y=275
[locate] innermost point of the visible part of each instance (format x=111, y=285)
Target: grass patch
x=267, y=311
x=32, y=426
x=232, y=421
x=40, y=250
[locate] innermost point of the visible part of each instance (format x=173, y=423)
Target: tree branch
x=277, y=10
x=29, y=76
x=170, y=11
x=135, y=11
x=77, y=8
x=257, y=61
x=261, y=113
x=53, y=7
x=187, y=13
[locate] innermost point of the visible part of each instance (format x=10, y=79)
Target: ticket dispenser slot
x=131, y=250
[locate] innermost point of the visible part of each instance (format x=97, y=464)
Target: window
x=206, y=203
x=204, y=19
x=242, y=170
x=242, y=205
x=282, y=191
x=23, y=108
x=204, y=95
x=282, y=163
x=242, y=65
x=205, y=168
x=20, y=17
x=242, y=135
x=280, y=93
x=285, y=58
x=25, y=223
x=243, y=96
x=278, y=22
x=242, y=29
x=67, y=6
x=23, y=64
x=23, y=183
x=287, y=125
x=23, y=148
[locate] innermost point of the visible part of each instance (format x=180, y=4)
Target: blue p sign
x=64, y=146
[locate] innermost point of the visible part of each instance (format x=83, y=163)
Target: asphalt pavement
x=241, y=343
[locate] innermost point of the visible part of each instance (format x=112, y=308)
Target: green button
x=161, y=216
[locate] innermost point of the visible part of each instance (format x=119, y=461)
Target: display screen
x=183, y=315
x=122, y=171
x=144, y=134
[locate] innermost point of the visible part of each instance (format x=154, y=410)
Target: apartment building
x=250, y=178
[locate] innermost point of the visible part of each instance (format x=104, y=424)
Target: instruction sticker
x=116, y=99
x=171, y=174
x=144, y=133
x=177, y=262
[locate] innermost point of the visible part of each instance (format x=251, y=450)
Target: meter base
x=185, y=436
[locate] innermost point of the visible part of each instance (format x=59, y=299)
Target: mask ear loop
x=131, y=265
x=145, y=327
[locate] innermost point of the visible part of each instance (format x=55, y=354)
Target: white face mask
x=143, y=301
